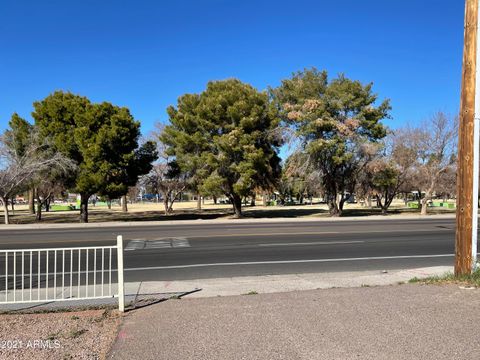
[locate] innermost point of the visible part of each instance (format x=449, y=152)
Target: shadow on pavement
x=144, y=300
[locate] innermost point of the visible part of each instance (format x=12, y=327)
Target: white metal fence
x=62, y=274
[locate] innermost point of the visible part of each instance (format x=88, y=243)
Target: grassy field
x=188, y=211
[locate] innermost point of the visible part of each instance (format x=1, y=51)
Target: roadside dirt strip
x=61, y=335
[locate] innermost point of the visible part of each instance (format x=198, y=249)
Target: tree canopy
x=226, y=140
x=338, y=123
x=102, y=139
x=226, y=136
x=18, y=135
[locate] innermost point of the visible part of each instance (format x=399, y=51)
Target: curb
x=264, y=284
x=221, y=221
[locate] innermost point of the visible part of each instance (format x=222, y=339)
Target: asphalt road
x=174, y=252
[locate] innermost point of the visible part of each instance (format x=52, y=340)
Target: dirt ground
x=187, y=210
x=61, y=335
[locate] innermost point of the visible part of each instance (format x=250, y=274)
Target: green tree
x=338, y=124
x=186, y=140
x=226, y=138
x=102, y=139
x=19, y=134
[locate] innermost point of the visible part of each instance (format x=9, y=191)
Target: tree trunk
x=369, y=201
x=237, y=205
x=334, y=210
x=333, y=207
x=5, y=211
x=215, y=200
x=31, y=201
x=123, y=200
x=425, y=199
x=341, y=204
x=165, y=204
x=252, y=201
x=264, y=199
x=199, y=202
x=38, y=216
x=109, y=204
x=84, y=208
x=383, y=206
x=424, y=209
x=172, y=201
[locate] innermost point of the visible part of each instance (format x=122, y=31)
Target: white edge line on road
x=366, y=231
x=314, y=243
x=268, y=262
x=264, y=263
x=288, y=262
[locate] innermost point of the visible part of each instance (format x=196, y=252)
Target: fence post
x=121, y=294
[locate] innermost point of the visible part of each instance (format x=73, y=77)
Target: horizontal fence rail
x=62, y=274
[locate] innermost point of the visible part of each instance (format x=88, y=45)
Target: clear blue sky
x=144, y=54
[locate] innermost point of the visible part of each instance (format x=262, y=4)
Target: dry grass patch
x=188, y=211
x=450, y=278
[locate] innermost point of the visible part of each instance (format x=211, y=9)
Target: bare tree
x=420, y=158
x=165, y=179
x=446, y=187
x=299, y=178
x=437, y=144
x=17, y=169
x=45, y=190
x=390, y=171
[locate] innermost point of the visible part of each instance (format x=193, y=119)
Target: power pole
x=467, y=181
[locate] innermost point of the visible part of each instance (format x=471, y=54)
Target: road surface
x=176, y=252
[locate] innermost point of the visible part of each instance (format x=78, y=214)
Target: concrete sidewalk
x=386, y=322
x=158, y=290
x=230, y=221
x=283, y=283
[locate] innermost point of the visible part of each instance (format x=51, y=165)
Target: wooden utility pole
x=464, y=257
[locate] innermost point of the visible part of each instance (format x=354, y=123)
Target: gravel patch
x=64, y=335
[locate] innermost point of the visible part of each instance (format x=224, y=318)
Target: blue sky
x=145, y=54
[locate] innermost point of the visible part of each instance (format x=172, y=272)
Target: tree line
x=225, y=141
